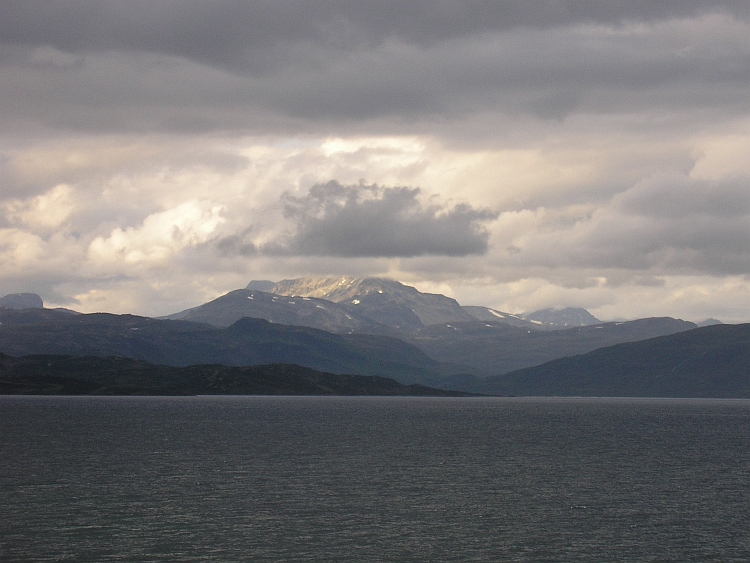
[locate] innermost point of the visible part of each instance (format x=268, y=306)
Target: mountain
x=493, y=316
x=340, y=305
x=498, y=343
x=345, y=337
x=709, y=322
x=261, y=285
x=567, y=317
x=21, y=301
x=493, y=348
x=183, y=343
x=300, y=311
x=380, y=300
x=369, y=305
x=712, y=361
x=67, y=375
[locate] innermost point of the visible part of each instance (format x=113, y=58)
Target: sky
x=155, y=154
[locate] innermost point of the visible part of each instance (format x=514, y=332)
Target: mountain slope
x=495, y=348
x=567, y=317
x=381, y=300
x=500, y=344
x=712, y=361
x=490, y=315
x=300, y=311
x=183, y=343
x=66, y=375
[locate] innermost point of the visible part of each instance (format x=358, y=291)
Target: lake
x=373, y=479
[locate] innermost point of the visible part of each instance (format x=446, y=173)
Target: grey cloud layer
x=229, y=31
x=664, y=225
x=144, y=141
x=373, y=221
x=204, y=65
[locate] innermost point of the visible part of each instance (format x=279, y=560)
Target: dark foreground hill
x=712, y=361
x=66, y=375
x=182, y=343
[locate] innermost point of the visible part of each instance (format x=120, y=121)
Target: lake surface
x=373, y=479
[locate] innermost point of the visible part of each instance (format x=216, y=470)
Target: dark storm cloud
x=373, y=221
x=182, y=65
x=227, y=31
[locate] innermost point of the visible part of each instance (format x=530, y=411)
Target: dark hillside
x=182, y=343
x=492, y=348
x=712, y=361
x=66, y=375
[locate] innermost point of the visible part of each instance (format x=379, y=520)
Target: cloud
x=226, y=31
x=370, y=220
x=144, y=147
x=676, y=224
x=44, y=213
x=235, y=245
x=158, y=239
x=670, y=224
x=680, y=197
x=192, y=66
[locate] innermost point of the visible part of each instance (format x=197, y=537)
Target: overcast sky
x=155, y=154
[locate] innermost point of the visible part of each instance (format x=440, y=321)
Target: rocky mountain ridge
x=381, y=300
x=299, y=311
x=345, y=305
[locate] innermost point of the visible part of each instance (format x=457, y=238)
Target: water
x=373, y=479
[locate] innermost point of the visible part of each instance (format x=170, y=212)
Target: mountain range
x=249, y=341
x=359, y=305
x=379, y=327
x=481, y=340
